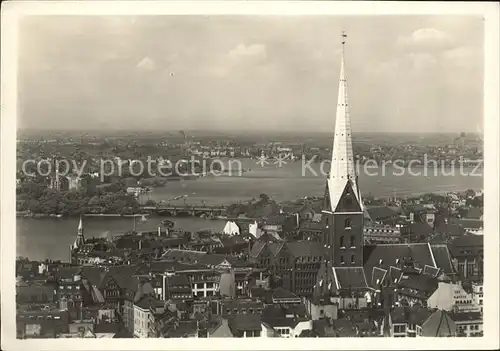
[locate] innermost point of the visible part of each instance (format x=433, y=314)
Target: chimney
x=159, y=231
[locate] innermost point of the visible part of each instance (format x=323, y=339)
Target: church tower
x=343, y=210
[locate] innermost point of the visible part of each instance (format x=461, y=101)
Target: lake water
x=50, y=238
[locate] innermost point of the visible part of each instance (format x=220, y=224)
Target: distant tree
x=469, y=193
x=150, y=203
x=264, y=198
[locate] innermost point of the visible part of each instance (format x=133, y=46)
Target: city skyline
x=253, y=73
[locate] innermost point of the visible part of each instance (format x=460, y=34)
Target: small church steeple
x=80, y=240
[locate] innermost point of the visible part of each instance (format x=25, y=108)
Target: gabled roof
x=213, y=259
x=351, y=277
x=467, y=245
x=421, y=282
x=257, y=248
x=122, y=334
x=381, y=212
x=149, y=301
x=442, y=257
x=439, y=324
x=385, y=255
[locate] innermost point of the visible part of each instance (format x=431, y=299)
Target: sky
x=404, y=73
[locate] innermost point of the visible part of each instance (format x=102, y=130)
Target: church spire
x=80, y=227
x=80, y=240
x=343, y=170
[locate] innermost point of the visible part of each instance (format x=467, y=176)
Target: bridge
x=186, y=210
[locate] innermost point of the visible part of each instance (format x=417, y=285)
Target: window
x=341, y=259
x=352, y=259
x=347, y=223
x=342, y=241
x=353, y=241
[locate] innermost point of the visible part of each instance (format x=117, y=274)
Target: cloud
x=425, y=37
x=420, y=61
x=462, y=56
x=255, y=52
x=146, y=64
x=239, y=59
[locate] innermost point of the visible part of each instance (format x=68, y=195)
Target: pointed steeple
x=80, y=240
x=80, y=227
x=343, y=170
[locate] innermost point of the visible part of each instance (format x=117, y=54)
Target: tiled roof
x=439, y=324
x=467, y=245
x=412, y=315
x=323, y=328
x=149, y=301
x=442, y=258
x=420, y=282
x=244, y=322
x=93, y=274
x=122, y=334
x=257, y=248
x=453, y=229
x=275, y=248
x=183, y=329
x=280, y=293
x=122, y=275
x=351, y=277
x=431, y=271
x=385, y=255
x=67, y=272
x=381, y=212
x=212, y=259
